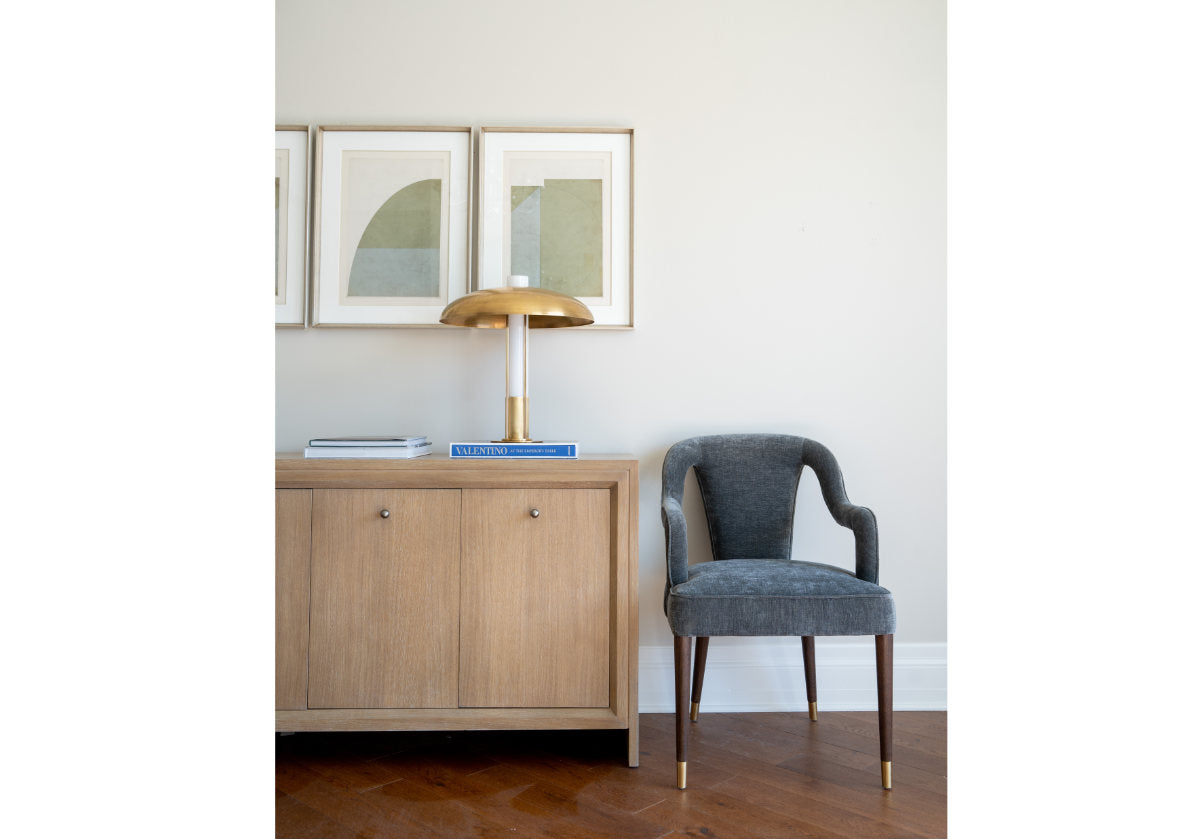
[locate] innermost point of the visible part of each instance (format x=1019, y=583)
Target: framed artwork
x=291, y=223
x=556, y=204
x=392, y=224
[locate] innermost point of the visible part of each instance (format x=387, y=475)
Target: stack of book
x=368, y=447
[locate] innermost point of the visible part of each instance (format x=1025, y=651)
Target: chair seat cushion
x=777, y=597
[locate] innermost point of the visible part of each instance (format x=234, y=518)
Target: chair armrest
x=675, y=526
x=678, y=460
x=861, y=520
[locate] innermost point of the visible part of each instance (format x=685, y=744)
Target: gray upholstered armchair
x=748, y=485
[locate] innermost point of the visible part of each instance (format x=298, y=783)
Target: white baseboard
x=744, y=674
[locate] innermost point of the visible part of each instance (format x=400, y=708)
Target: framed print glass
x=291, y=223
x=392, y=224
x=557, y=206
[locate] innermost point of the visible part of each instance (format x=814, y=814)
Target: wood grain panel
x=628, y=511
x=440, y=471
x=623, y=602
x=444, y=719
x=292, y=519
x=535, y=598
x=384, y=599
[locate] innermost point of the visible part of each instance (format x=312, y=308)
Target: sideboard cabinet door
x=384, y=598
x=537, y=581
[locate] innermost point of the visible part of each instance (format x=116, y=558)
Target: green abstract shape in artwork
x=573, y=237
x=521, y=193
x=276, y=235
x=399, y=254
x=526, y=227
x=558, y=235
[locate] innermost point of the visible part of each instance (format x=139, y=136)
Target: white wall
x=789, y=269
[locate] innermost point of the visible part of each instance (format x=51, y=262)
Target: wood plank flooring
x=750, y=775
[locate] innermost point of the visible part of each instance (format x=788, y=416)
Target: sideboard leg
x=633, y=742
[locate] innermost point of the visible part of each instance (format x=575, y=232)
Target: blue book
x=531, y=451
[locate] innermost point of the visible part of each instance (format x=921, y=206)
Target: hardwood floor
x=749, y=775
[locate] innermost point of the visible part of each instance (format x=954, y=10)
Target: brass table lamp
x=519, y=308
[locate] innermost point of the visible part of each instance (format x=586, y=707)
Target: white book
x=368, y=451
x=370, y=441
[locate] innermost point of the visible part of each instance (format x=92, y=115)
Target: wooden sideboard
x=432, y=594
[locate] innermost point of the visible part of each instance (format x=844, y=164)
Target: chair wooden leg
x=810, y=673
x=683, y=666
x=698, y=674
x=883, y=677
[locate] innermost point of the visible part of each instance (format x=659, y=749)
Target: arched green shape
x=399, y=254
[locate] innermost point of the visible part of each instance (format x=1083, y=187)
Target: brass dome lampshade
x=518, y=308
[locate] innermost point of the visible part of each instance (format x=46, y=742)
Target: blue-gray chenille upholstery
x=748, y=485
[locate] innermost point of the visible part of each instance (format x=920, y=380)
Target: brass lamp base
x=516, y=421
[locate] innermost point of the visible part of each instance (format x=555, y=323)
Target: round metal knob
x=383, y=514
x=535, y=512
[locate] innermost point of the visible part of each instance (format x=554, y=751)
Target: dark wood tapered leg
x=883, y=676
x=808, y=646
x=698, y=674
x=683, y=666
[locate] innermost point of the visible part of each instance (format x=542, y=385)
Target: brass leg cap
x=695, y=711
x=681, y=774
x=886, y=765
x=812, y=711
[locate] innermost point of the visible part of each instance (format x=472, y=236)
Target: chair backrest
x=748, y=485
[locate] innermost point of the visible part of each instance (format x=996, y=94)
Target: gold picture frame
x=556, y=205
x=292, y=161
x=391, y=225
